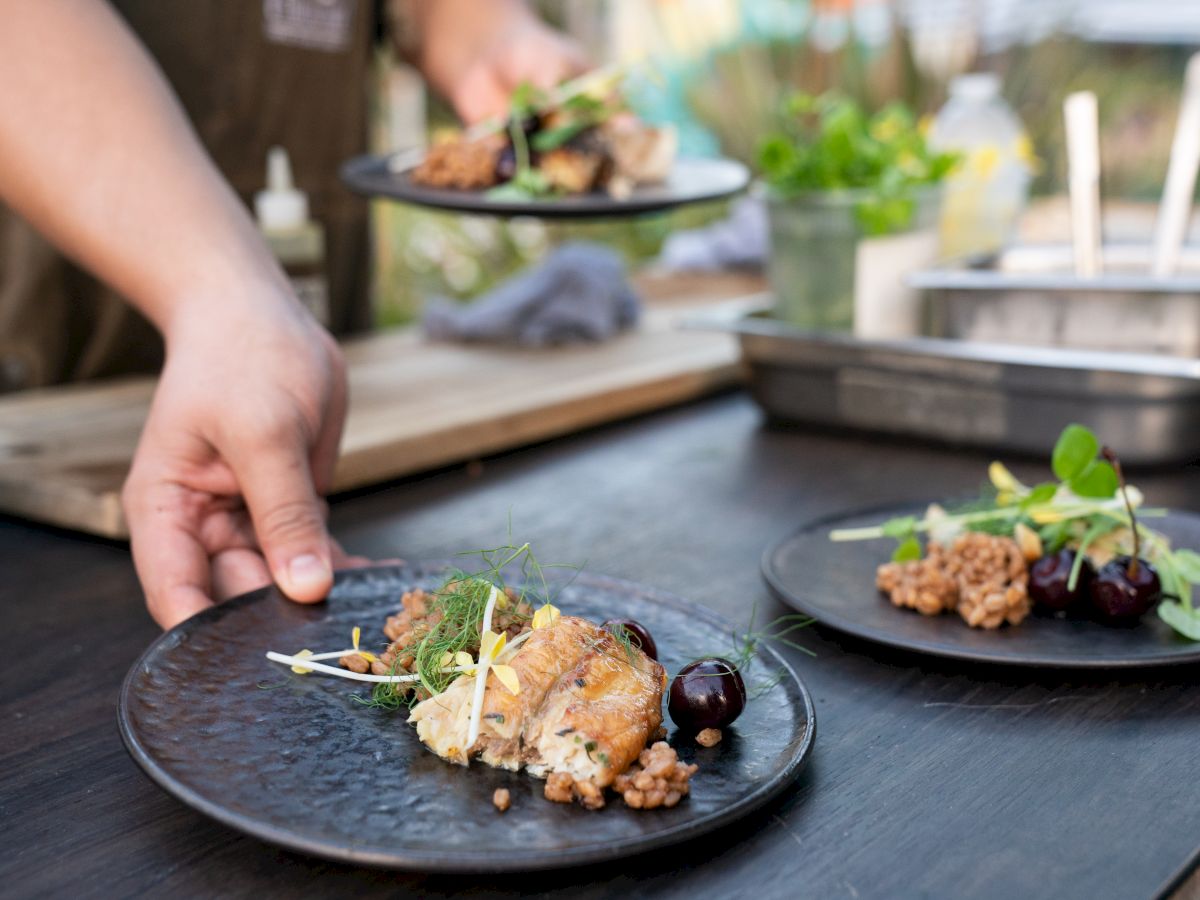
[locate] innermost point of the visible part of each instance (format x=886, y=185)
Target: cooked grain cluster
x=982, y=576
x=562, y=787
x=657, y=779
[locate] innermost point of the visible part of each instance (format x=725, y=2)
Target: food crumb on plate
x=709, y=737
x=501, y=799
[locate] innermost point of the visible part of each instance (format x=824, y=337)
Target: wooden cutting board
x=64, y=452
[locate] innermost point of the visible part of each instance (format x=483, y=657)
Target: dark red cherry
x=708, y=693
x=638, y=634
x=1121, y=596
x=1048, y=578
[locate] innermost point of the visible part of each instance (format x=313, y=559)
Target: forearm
x=96, y=153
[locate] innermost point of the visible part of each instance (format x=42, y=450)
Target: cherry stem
x=1132, y=569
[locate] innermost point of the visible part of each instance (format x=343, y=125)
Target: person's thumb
x=288, y=518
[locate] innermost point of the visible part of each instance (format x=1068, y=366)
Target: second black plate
x=691, y=181
x=294, y=760
x=835, y=583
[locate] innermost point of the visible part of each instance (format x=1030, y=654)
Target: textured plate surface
x=296, y=762
x=691, y=181
x=835, y=583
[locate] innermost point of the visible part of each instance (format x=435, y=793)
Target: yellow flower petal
x=491, y=644
x=462, y=658
x=1001, y=478
x=367, y=655
x=446, y=660
x=508, y=678
x=354, y=637
x=301, y=670
x=547, y=615
x=1045, y=516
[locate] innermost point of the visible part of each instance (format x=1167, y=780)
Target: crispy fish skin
x=443, y=721
x=599, y=715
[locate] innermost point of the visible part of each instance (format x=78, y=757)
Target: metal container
x=1030, y=296
x=988, y=395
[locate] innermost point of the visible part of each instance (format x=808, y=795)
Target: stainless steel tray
x=1029, y=295
x=989, y=395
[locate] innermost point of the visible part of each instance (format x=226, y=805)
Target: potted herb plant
x=834, y=177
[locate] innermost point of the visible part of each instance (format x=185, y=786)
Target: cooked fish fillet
x=599, y=715
x=443, y=721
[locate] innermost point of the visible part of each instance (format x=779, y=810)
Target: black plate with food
x=1072, y=572
x=304, y=761
x=690, y=180
x=575, y=151
x=835, y=584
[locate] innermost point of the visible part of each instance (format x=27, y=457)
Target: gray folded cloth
x=578, y=293
x=737, y=242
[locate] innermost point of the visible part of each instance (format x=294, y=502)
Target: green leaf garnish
x=1187, y=564
x=553, y=138
x=909, y=550
x=1184, y=620
x=1097, y=480
x=1076, y=447
x=1039, y=494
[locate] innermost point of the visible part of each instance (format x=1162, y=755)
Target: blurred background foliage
x=719, y=68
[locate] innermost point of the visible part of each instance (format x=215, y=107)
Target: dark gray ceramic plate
x=301, y=765
x=691, y=181
x=835, y=583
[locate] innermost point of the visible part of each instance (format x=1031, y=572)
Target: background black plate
x=835, y=583
x=691, y=181
x=301, y=765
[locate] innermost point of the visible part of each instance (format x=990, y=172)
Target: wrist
x=253, y=305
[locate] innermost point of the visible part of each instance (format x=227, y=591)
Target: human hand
x=224, y=494
x=476, y=60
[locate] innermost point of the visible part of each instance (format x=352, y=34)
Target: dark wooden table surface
x=929, y=779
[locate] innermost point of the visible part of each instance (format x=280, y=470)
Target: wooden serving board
x=64, y=452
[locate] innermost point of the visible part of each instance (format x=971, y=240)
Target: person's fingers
x=557, y=61
x=170, y=560
x=272, y=468
x=480, y=94
x=343, y=560
x=325, y=452
x=238, y=570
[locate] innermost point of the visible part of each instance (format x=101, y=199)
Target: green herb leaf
x=899, y=527
x=1185, y=621
x=525, y=100
x=1099, y=528
x=1076, y=447
x=909, y=550
x=1053, y=536
x=1187, y=564
x=553, y=138
x=829, y=143
x=1098, y=480
x=1042, y=493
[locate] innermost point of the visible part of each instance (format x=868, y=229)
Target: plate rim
x=468, y=863
x=873, y=635
x=447, y=200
